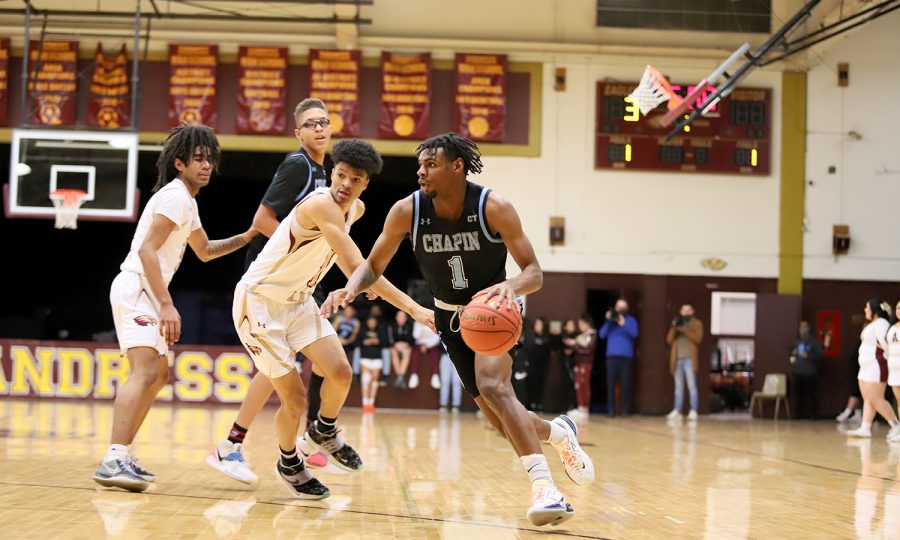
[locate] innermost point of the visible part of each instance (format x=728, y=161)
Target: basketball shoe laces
x=569, y=454
x=331, y=443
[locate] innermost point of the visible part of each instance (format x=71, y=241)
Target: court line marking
x=560, y=532
x=757, y=454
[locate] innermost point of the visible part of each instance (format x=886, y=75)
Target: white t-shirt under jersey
x=874, y=334
x=294, y=260
x=174, y=202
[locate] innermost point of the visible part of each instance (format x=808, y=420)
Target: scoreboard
x=732, y=138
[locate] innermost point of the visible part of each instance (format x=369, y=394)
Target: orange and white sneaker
x=548, y=505
x=578, y=464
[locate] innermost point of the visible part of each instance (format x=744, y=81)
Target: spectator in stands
x=535, y=351
x=683, y=338
x=371, y=342
x=428, y=345
x=584, y=347
x=401, y=339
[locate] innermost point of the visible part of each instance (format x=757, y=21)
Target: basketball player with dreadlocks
x=147, y=322
x=448, y=207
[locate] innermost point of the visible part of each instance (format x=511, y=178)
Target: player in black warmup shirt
x=461, y=233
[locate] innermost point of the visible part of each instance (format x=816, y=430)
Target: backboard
x=103, y=165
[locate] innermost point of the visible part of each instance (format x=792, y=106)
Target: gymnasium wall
x=864, y=188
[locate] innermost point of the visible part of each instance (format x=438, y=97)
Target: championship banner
x=262, y=90
x=4, y=79
x=192, y=85
x=405, y=95
x=53, y=82
x=334, y=78
x=481, y=96
x=108, y=104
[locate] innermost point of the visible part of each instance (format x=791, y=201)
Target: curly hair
x=455, y=146
x=358, y=154
x=181, y=144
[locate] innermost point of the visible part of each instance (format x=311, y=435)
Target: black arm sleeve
x=288, y=186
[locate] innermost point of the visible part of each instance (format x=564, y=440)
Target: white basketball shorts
x=273, y=332
x=135, y=314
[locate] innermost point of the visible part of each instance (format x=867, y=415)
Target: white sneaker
x=413, y=380
x=548, y=505
x=895, y=438
x=861, y=431
x=674, y=414
x=436, y=381
x=228, y=459
x=578, y=464
x=855, y=417
x=893, y=432
x=844, y=416
x=692, y=416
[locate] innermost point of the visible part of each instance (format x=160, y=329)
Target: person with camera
x=684, y=337
x=620, y=331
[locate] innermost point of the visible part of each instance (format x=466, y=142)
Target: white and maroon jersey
x=893, y=341
x=874, y=340
x=174, y=202
x=294, y=259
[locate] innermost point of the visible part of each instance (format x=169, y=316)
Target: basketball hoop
x=653, y=90
x=67, y=202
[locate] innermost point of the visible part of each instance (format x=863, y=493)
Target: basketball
x=489, y=327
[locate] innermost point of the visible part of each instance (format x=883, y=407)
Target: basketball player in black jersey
x=461, y=233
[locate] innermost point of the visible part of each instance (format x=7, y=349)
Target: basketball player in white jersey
x=146, y=320
x=276, y=316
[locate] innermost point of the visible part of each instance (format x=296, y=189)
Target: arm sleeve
x=631, y=327
x=604, y=330
x=289, y=185
x=176, y=206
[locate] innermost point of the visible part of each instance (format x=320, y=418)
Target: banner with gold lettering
x=262, y=90
x=405, y=95
x=481, y=96
x=192, y=84
x=108, y=104
x=334, y=78
x=53, y=82
x=4, y=79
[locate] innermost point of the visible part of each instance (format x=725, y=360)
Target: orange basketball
x=488, y=327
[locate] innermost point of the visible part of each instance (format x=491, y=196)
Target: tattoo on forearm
x=221, y=247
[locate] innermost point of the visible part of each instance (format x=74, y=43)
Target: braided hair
x=455, y=146
x=181, y=144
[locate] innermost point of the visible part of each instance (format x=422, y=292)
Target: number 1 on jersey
x=459, y=280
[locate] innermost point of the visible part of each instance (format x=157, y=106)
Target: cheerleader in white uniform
x=893, y=361
x=873, y=369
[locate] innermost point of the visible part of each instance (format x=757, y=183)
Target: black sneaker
x=332, y=445
x=300, y=482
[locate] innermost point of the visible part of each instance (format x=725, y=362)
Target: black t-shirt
x=457, y=258
x=372, y=351
x=295, y=178
x=398, y=332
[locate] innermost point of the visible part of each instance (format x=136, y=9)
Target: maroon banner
x=192, y=84
x=53, y=82
x=405, y=95
x=108, y=104
x=4, y=79
x=481, y=96
x=334, y=78
x=262, y=90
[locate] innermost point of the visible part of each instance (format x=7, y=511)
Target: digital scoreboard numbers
x=733, y=138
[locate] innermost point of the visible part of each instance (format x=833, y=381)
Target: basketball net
x=67, y=202
x=653, y=90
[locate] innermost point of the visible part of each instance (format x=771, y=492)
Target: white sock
x=893, y=422
x=117, y=450
x=557, y=434
x=866, y=426
x=537, y=468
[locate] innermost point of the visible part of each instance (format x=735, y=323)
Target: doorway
x=599, y=301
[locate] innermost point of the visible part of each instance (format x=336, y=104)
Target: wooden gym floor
x=446, y=476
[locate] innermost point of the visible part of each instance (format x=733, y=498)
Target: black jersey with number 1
x=457, y=258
